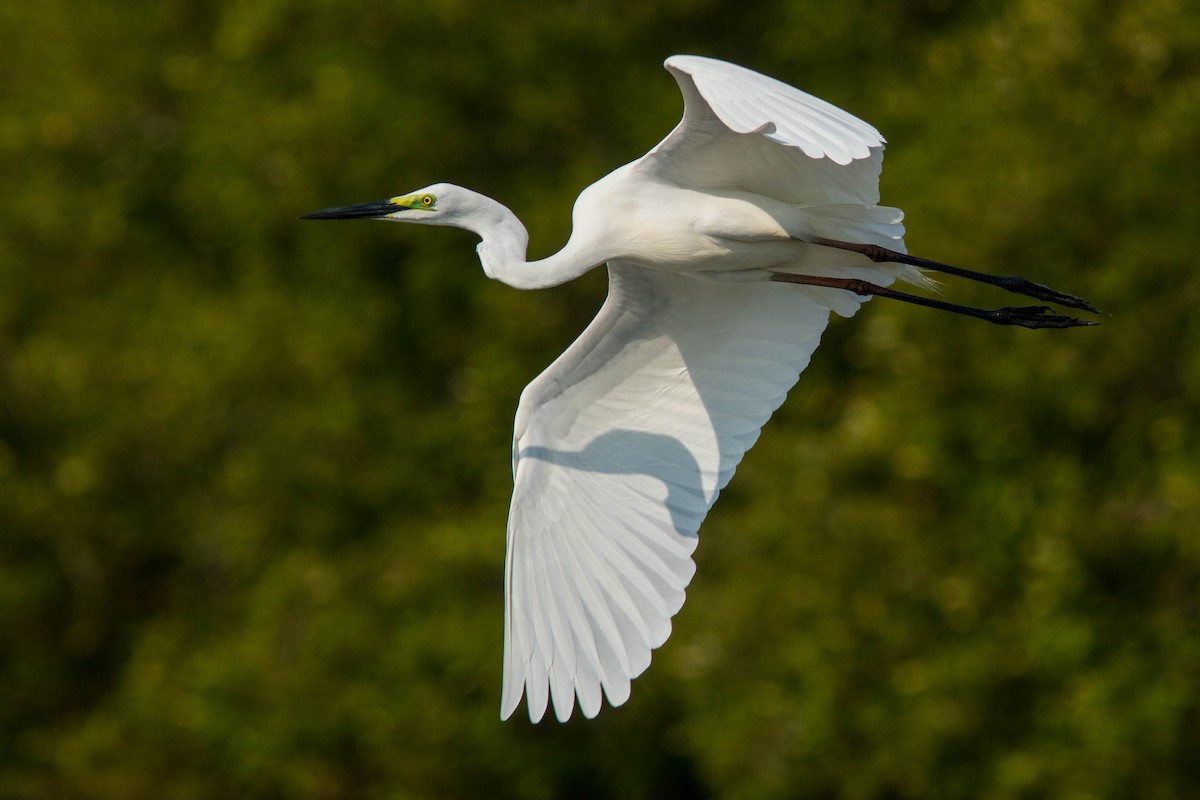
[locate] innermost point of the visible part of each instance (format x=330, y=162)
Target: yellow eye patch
x=417, y=202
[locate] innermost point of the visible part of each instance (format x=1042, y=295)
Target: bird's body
x=622, y=445
x=716, y=234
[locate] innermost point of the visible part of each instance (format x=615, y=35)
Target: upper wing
x=746, y=131
x=621, y=447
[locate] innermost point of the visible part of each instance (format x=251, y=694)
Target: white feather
x=632, y=496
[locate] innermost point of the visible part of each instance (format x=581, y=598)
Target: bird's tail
x=845, y=222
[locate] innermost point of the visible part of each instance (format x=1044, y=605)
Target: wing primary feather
x=540, y=657
x=614, y=649
x=554, y=591
x=573, y=579
x=537, y=688
x=562, y=670
x=601, y=631
x=516, y=640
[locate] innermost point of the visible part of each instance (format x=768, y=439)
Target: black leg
x=1026, y=317
x=1013, y=283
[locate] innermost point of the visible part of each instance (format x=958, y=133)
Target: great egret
x=622, y=445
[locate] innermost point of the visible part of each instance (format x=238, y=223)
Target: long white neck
x=503, y=246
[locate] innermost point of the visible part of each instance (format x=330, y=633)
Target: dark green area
x=254, y=471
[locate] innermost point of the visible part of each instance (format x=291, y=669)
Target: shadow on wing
x=628, y=452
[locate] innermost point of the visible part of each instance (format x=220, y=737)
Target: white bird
x=622, y=445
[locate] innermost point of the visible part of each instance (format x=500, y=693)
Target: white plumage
x=622, y=445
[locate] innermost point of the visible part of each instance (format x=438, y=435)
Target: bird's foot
x=1019, y=285
x=1033, y=317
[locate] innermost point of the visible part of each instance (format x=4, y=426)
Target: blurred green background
x=254, y=472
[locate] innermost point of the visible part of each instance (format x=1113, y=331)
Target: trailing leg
x=1026, y=317
x=1012, y=283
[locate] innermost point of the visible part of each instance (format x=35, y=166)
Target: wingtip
x=678, y=62
x=564, y=715
x=511, y=693
x=674, y=63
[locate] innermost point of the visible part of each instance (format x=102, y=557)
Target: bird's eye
x=427, y=200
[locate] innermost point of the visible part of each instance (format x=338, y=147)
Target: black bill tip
x=379, y=208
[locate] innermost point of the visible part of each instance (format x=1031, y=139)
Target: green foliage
x=254, y=472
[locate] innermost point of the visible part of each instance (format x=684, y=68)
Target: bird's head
x=502, y=236
x=439, y=204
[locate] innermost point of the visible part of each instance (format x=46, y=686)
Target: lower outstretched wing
x=620, y=449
